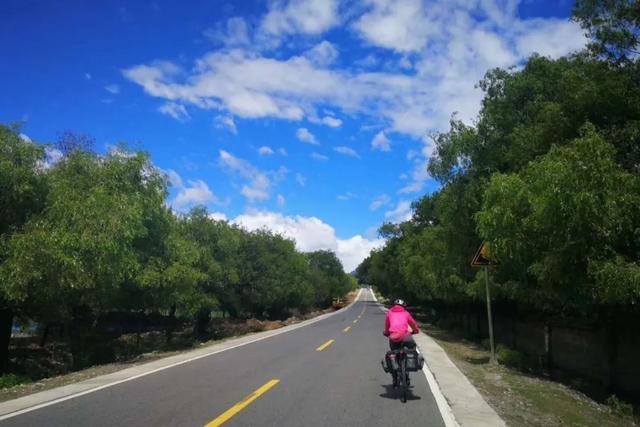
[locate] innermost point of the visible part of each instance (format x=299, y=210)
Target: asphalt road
x=279, y=381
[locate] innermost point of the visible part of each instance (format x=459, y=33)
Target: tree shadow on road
x=394, y=393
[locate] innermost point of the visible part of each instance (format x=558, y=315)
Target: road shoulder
x=466, y=403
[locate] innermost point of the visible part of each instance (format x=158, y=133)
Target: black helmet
x=400, y=302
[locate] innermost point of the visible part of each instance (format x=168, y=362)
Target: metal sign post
x=483, y=259
x=489, y=318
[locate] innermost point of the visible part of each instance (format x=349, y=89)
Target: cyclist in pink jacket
x=397, y=324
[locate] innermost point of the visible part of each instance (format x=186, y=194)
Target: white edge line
x=443, y=406
x=182, y=362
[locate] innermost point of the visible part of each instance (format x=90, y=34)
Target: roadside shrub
x=11, y=380
x=509, y=357
x=619, y=407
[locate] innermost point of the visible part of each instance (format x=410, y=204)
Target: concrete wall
x=607, y=357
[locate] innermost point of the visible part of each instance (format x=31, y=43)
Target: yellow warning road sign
x=483, y=257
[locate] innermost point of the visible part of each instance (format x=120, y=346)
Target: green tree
x=614, y=27
x=571, y=217
x=218, y=245
x=273, y=276
x=22, y=195
x=548, y=174
x=76, y=257
x=327, y=276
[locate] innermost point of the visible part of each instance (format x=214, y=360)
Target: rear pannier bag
x=390, y=363
x=414, y=360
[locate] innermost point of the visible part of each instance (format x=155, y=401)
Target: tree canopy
x=92, y=234
x=549, y=175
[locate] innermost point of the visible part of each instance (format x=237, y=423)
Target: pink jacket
x=397, y=322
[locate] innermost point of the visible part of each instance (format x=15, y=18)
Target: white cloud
x=119, y=151
x=282, y=151
x=259, y=183
x=174, y=178
x=87, y=76
x=446, y=47
x=301, y=179
x=381, y=142
x=379, y=201
x=256, y=191
x=235, y=33
x=304, y=135
x=346, y=196
x=194, y=193
x=347, y=151
x=368, y=61
x=501, y=12
x=226, y=122
x=420, y=173
x=354, y=250
x=405, y=63
x=51, y=155
x=177, y=111
x=318, y=156
x=218, y=216
x=331, y=121
x=401, y=213
x=25, y=137
x=401, y=25
x=300, y=16
x=265, y=151
x=549, y=37
x=322, y=54
x=328, y=120
x=311, y=234
x=412, y=187
x=281, y=200
x=113, y=89
x=250, y=86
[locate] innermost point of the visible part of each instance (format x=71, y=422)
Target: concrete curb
x=466, y=403
x=12, y=408
x=459, y=402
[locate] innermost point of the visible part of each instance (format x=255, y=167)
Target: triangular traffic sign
x=482, y=257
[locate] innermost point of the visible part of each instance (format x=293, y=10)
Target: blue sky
x=311, y=117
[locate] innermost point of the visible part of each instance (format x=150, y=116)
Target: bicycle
x=402, y=375
x=397, y=366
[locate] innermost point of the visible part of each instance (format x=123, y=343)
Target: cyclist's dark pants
x=407, y=342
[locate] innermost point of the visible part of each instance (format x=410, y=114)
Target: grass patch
x=12, y=380
x=527, y=400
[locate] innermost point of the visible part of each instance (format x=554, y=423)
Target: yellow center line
x=346, y=329
x=325, y=345
x=229, y=413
